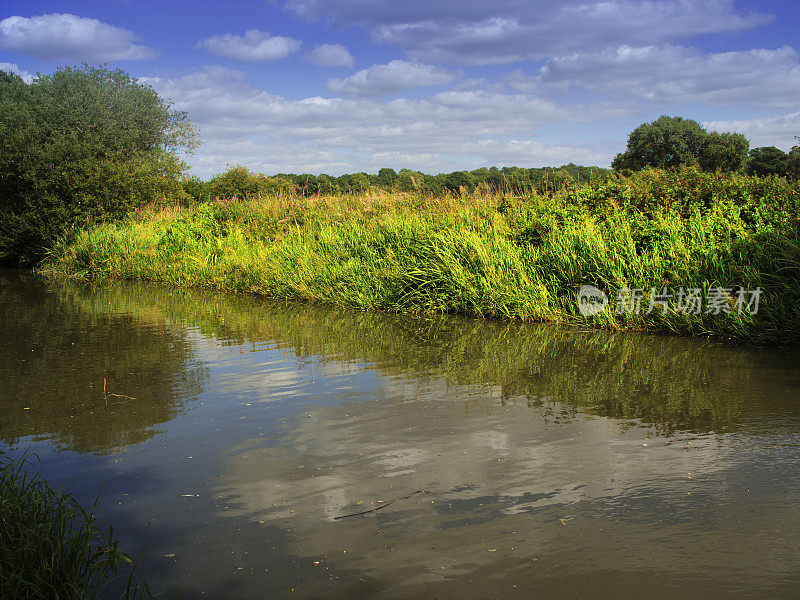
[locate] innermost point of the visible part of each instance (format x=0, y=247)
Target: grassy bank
x=50, y=546
x=484, y=254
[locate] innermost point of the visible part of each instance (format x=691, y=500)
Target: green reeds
x=50, y=546
x=482, y=254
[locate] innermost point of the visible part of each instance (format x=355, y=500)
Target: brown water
x=555, y=463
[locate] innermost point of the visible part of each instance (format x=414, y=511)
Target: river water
x=524, y=461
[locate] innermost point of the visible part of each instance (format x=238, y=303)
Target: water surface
x=536, y=460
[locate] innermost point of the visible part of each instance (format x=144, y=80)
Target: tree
x=80, y=145
x=666, y=142
x=457, y=180
x=387, y=177
x=359, y=182
x=670, y=142
x=768, y=160
x=724, y=152
x=793, y=161
x=409, y=180
x=237, y=180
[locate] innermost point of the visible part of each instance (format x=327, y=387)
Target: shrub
x=196, y=188
x=241, y=182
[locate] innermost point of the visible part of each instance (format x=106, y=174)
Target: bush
x=196, y=188
x=236, y=181
x=81, y=145
x=495, y=255
x=241, y=182
x=793, y=162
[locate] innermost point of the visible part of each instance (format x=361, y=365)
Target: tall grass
x=50, y=546
x=483, y=254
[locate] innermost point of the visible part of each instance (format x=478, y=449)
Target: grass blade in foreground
x=50, y=546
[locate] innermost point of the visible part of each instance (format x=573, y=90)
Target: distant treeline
x=242, y=182
x=666, y=143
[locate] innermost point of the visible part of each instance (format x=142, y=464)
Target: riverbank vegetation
x=52, y=547
x=484, y=253
x=91, y=180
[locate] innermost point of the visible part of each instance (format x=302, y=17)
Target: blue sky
x=340, y=86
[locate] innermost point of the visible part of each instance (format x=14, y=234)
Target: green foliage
x=766, y=161
x=511, y=180
x=482, y=254
x=666, y=142
x=197, y=189
x=793, y=162
x=50, y=546
x=670, y=142
x=458, y=181
x=774, y=161
x=236, y=181
x=724, y=152
x=387, y=178
x=240, y=182
x=81, y=145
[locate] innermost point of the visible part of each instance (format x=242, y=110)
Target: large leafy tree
x=79, y=145
x=674, y=141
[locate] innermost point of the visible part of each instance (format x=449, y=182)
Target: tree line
x=666, y=143
x=242, y=182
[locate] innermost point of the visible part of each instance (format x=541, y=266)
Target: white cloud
x=393, y=77
x=12, y=68
x=674, y=74
x=254, y=45
x=65, y=37
x=504, y=31
x=777, y=131
x=330, y=55
x=460, y=129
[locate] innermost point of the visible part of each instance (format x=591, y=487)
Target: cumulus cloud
x=450, y=130
x=254, y=45
x=505, y=31
x=777, y=131
x=674, y=74
x=393, y=77
x=330, y=55
x=66, y=37
x=12, y=68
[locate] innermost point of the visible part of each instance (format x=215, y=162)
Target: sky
x=341, y=86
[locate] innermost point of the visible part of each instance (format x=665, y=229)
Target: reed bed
x=483, y=254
